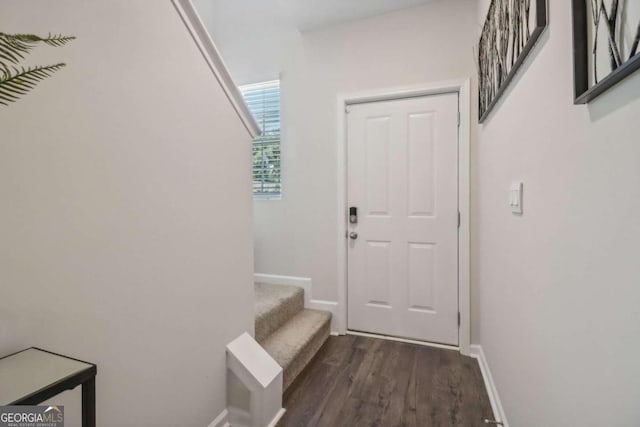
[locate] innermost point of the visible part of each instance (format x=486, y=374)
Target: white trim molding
x=306, y=284
x=212, y=56
x=275, y=419
x=492, y=391
x=221, y=420
x=463, y=89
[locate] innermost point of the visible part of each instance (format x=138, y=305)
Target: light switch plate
x=515, y=197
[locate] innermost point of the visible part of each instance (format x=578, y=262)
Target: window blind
x=263, y=100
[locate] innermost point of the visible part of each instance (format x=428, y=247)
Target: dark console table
x=31, y=376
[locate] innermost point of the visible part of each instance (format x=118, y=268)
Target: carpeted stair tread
x=274, y=306
x=295, y=343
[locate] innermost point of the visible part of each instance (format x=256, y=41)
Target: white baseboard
x=275, y=419
x=221, y=420
x=245, y=418
x=306, y=284
x=492, y=391
x=275, y=279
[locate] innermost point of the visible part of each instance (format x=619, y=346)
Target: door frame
x=463, y=89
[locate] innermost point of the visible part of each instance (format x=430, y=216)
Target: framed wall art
x=606, y=34
x=509, y=33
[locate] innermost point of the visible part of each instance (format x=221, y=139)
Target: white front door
x=403, y=250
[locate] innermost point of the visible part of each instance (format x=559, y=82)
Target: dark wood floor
x=359, y=381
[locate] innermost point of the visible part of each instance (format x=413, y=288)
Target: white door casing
x=402, y=175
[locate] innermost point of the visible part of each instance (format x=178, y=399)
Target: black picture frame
x=584, y=92
x=499, y=85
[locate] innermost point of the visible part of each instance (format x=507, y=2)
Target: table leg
x=89, y=403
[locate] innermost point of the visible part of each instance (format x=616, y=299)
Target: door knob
x=353, y=235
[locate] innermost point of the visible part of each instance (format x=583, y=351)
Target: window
x=263, y=100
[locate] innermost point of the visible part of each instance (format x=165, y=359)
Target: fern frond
x=57, y=40
x=15, y=84
x=51, y=40
x=14, y=47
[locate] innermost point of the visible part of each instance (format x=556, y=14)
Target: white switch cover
x=515, y=198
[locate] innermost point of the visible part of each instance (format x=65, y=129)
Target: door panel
x=421, y=276
x=378, y=134
x=403, y=178
x=421, y=164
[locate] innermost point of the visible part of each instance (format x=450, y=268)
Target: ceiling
x=256, y=37
x=313, y=14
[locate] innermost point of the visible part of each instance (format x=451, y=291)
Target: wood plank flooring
x=361, y=381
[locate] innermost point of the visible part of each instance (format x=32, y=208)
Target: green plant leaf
x=14, y=47
x=57, y=40
x=16, y=83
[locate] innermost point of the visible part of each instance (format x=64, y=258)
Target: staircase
x=290, y=333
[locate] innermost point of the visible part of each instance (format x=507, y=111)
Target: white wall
x=297, y=235
x=556, y=290
x=126, y=235
x=256, y=37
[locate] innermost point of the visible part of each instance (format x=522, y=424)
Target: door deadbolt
x=353, y=215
